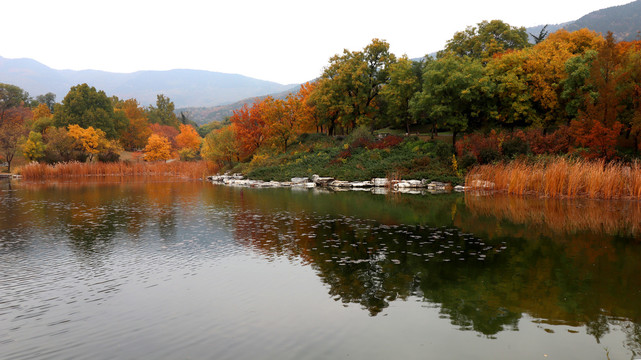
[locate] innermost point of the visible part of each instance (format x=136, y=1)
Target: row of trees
x=89, y=125
x=488, y=77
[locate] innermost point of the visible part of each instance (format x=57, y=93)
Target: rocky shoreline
x=376, y=185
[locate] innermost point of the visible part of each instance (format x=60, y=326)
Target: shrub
x=443, y=150
x=108, y=156
x=514, y=146
x=467, y=161
x=488, y=155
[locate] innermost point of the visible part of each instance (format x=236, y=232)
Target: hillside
x=204, y=115
x=183, y=87
x=624, y=21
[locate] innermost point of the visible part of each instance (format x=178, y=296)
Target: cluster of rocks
x=378, y=185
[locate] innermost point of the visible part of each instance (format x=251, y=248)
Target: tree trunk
x=454, y=132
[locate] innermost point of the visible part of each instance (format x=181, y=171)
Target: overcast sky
x=278, y=40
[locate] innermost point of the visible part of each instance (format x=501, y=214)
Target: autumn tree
x=93, y=141
x=86, y=107
x=11, y=96
x=599, y=139
x=188, y=142
x=485, y=40
x=138, y=131
x=509, y=97
x=158, y=148
x=308, y=115
x=60, y=147
x=281, y=120
x=221, y=146
x=163, y=112
x=250, y=127
x=12, y=128
x=546, y=67
x=33, y=148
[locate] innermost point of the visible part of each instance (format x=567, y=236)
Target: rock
x=460, y=188
x=380, y=182
x=408, y=184
x=340, y=184
x=361, y=184
x=322, y=181
x=310, y=184
x=479, y=184
x=300, y=180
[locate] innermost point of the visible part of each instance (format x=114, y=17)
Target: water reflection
x=484, y=262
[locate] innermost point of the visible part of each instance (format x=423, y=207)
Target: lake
x=161, y=269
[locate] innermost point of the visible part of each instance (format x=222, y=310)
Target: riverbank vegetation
x=570, y=100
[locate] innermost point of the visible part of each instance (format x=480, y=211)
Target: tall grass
x=184, y=169
x=571, y=216
x=559, y=178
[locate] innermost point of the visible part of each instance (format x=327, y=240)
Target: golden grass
x=560, y=178
x=568, y=216
x=184, y=169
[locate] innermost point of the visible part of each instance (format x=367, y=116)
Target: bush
x=443, y=150
x=514, y=146
x=467, y=161
x=108, y=156
x=188, y=154
x=488, y=155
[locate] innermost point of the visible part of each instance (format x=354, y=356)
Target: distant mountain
x=624, y=21
x=204, y=115
x=183, y=87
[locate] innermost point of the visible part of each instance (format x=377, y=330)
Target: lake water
x=190, y=270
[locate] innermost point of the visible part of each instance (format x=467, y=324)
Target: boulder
x=300, y=180
x=380, y=182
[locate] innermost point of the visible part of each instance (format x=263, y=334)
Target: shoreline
x=375, y=185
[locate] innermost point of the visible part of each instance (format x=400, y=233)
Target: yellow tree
x=281, y=121
x=158, y=148
x=92, y=140
x=222, y=146
x=545, y=63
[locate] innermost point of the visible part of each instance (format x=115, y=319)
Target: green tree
x=349, y=87
x=11, y=96
x=49, y=99
x=163, y=112
x=485, y=40
x=452, y=94
x=85, y=106
x=404, y=83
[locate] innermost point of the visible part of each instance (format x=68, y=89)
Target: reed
x=560, y=177
x=184, y=169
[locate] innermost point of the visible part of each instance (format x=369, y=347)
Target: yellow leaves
x=158, y=148
x=92, y=140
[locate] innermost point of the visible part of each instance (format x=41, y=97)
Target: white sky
x=286, y=41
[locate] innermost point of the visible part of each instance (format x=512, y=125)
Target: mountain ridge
x=185, y=87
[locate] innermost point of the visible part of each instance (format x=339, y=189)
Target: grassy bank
x=191, y=170
x=357, y=157
x=560, y=177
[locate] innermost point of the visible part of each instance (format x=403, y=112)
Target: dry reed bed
x=560, y=178
x=191, y=170
x=566, y=216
